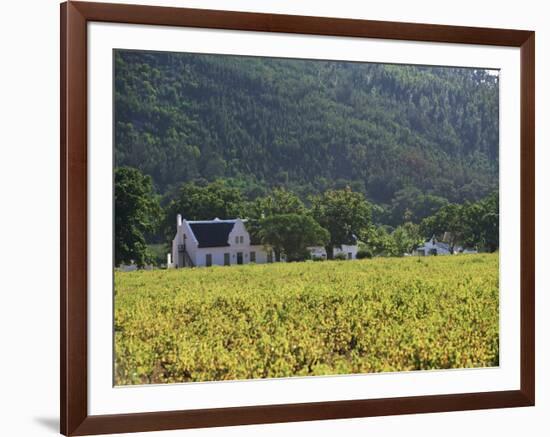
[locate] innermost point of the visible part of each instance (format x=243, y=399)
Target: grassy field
x=314, y=318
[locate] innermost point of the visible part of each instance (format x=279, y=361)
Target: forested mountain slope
x=389, y=131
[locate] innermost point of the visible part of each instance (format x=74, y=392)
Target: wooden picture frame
x=75, y=419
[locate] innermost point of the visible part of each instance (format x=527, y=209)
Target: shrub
x=363, y=253
x=340, y=256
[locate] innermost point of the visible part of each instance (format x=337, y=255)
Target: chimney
x=179, y=220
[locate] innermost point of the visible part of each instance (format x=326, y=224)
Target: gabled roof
x=212, y=233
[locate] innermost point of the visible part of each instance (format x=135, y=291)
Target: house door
x=226, y=259
x=239, y=257
x=181, y=258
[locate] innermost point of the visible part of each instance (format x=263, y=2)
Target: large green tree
x=203, y=202
x=344, y=213
x=279, y=201
x=291, y=234
x=381, y=241
x=407, y=237
x=377, y=240
x=136, y=214
x=448, y=220
x=412, y=205
x=474, y=224
x=482, y=223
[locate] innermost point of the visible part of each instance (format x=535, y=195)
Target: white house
x=227, y=242
x=215, y=242
x=349, y=250
x=433, y=247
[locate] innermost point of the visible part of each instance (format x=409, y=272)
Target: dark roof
x=212, y=234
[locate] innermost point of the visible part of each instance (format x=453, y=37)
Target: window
x=242, y=239
x=208, y=259
x=226, y=259
x=237, y=240
x=252, y=257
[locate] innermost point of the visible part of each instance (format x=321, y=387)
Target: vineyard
x=301, y=319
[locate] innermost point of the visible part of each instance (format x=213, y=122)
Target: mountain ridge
x=388, y=131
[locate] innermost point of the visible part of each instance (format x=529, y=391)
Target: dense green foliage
x=291, y=234
x=200, y=202
x=343, y=213
x=283, y=222
x=300, y=319
x=382, y=241
x=136, y=214
x=472, y=224
x=409, y=137
x=279, y=201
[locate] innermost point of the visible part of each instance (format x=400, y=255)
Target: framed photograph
x=272, y=218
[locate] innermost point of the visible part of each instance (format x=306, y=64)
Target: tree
x=412, y=205
x=378, y=241
x=450, y=220
x=343, y=213
x=407, y=237
x=482, y=223
x=279, y=201
x=473, y=224
x=489, y=222
x=291, y=234
x=195, y=202
x=136, y=213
